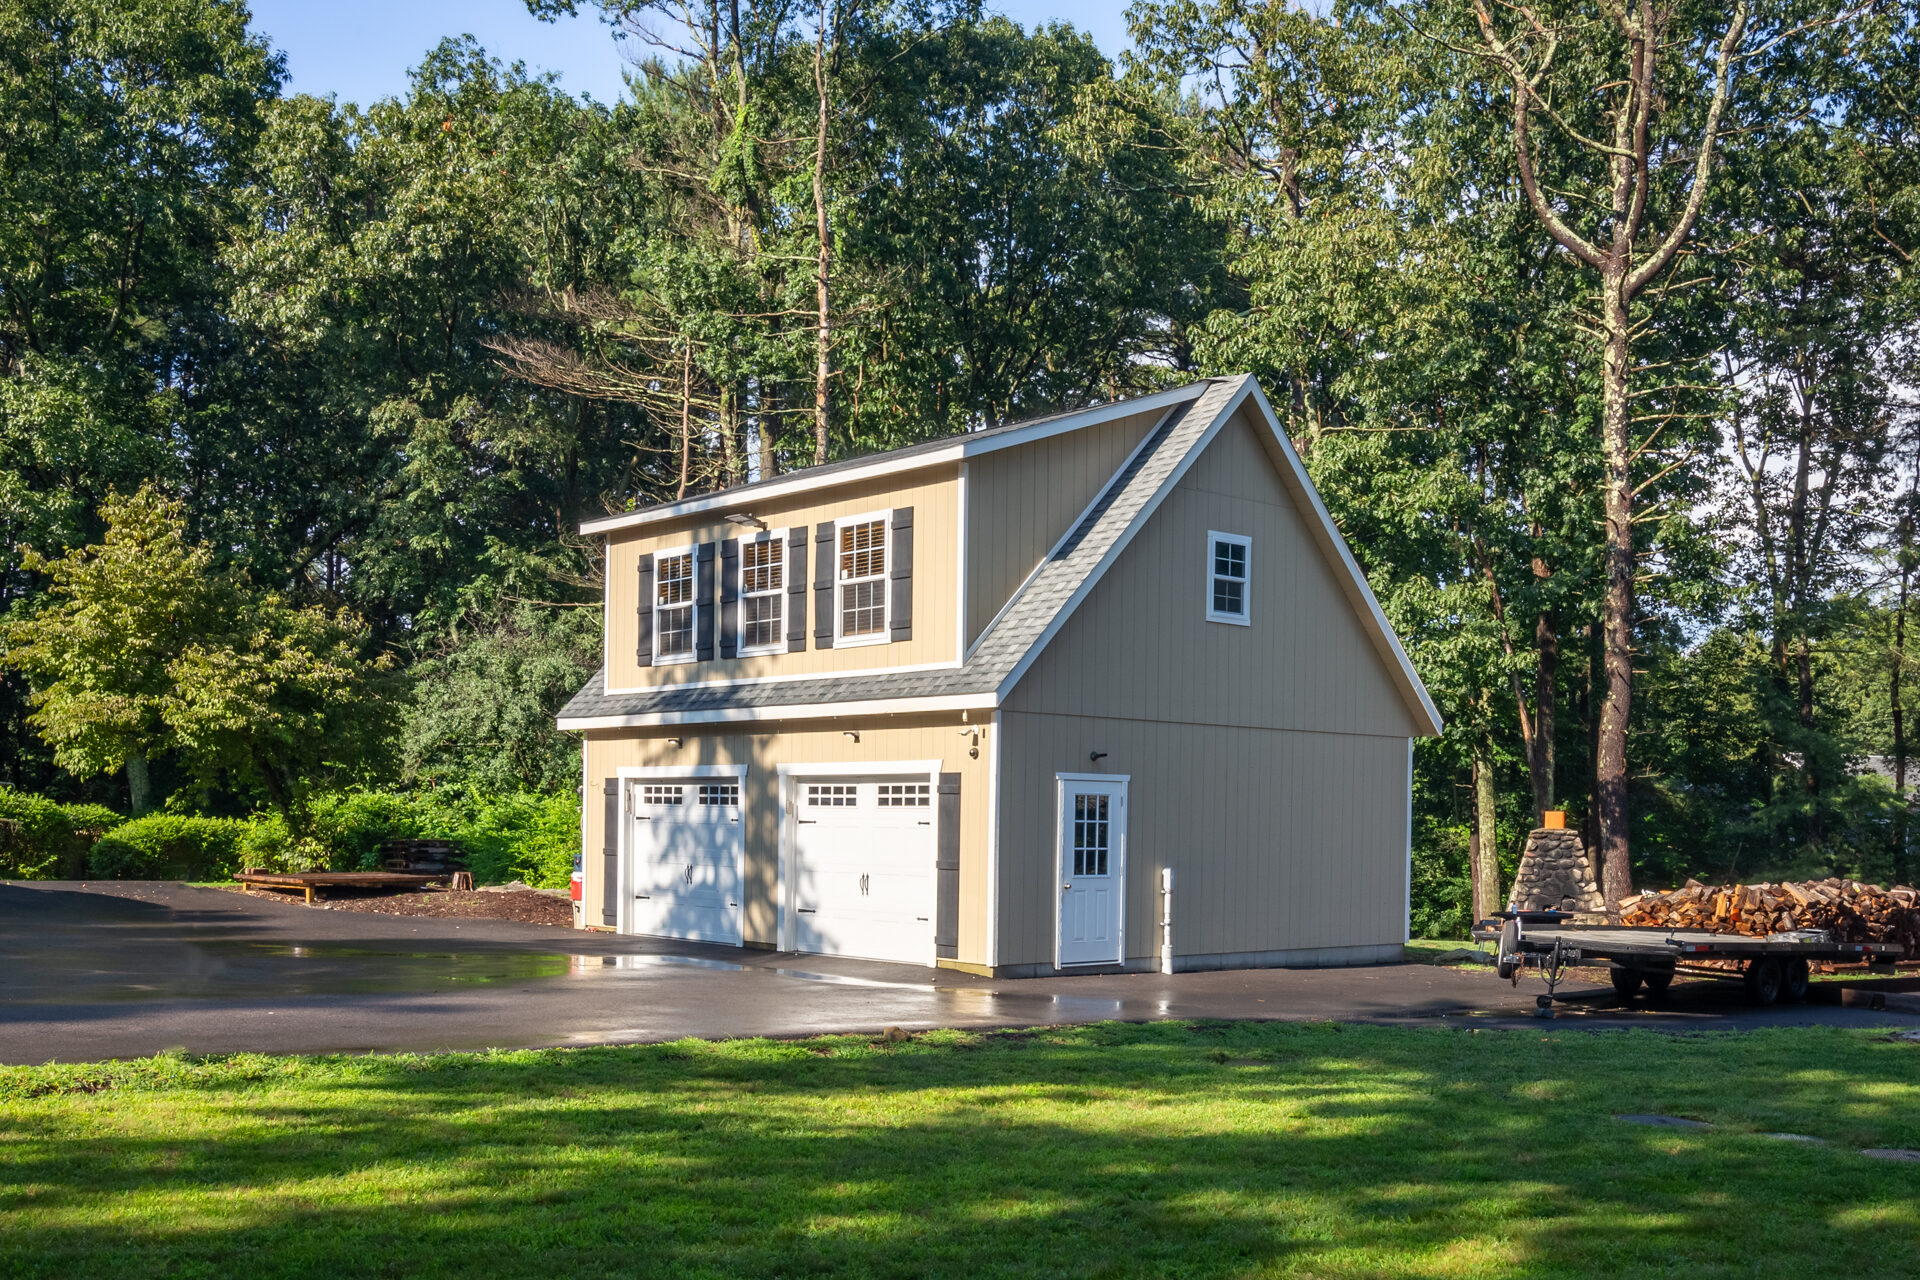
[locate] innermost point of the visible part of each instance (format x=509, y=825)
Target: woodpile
x=1846, y=909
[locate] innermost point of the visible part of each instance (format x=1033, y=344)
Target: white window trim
x=885, y=634
x=691, y=550
x=783, y=539
x=1245, y=617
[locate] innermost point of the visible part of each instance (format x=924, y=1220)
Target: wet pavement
x=132, y=968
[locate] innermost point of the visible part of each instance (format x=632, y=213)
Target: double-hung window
x=861, y=576
x=1229, y=561
x=673, y=606
x=763, y=592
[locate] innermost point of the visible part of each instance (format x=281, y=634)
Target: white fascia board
x=1121, y=543
x=1330, y=532
x=961, y=448
x=798, y=711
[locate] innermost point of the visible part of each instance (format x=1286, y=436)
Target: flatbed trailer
x=1773, y=967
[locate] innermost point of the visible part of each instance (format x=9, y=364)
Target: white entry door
x=864, y=882
x=1093, y=869
x=686, y=859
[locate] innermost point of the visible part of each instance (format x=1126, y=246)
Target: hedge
x=169, y=846
x=44, y=840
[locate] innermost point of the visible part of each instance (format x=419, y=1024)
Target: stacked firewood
x=1846, y=909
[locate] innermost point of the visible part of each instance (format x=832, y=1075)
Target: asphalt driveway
x=126, y=969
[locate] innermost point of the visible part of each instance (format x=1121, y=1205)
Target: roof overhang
x=802, y=711
x=897, y=462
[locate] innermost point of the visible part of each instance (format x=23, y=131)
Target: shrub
x=523, y=836
x=169, y=846
x=43, y=840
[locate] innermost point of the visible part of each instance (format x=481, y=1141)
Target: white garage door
x=864, y=882
x=685, y=866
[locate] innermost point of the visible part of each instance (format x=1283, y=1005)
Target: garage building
x=969, y=703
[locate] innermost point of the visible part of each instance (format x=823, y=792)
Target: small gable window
x=863, y=579
x=673, y=606
x=1229, y=556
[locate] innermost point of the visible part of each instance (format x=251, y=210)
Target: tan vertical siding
x=1267, y=762
x=934, y=496
x=1279, y=840
x=1140, y=645
x=824, y=742
x=1020, y=502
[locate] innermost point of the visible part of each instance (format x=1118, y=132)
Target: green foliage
x=169, y=846
x=43, y=840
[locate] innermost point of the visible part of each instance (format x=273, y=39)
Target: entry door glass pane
x=1092, y=835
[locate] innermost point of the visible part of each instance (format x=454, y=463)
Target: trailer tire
x=1764, y=980
x=1658, y=981
x=1793, y=981
x=1626, y=981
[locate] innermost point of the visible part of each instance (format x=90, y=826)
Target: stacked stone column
x=1555, y=875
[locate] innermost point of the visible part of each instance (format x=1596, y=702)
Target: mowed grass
x=1230, y=1149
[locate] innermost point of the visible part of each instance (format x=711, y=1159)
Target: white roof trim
x=885, y=464
x=798, y=711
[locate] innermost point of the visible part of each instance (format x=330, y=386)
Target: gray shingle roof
x=1022, y=625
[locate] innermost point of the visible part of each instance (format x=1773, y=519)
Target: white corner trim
x=1406, y=916
x=681, y=771
x=895, y=463
x=1383, y=630
x=1066, y=533
x=1121, y=543
x=960, y=573
x=1245, y=617
x=996, y=724
x=796, y=711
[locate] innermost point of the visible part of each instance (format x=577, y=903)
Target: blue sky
x=360, y=50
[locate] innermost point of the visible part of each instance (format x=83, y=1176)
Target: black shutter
x=796, y=590
x=645, y=649
x=730, y=598
x=610, y=859
x=900, y=609
x=823, y=585
x=703, y=602
x=946, y=869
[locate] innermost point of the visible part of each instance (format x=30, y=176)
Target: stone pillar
x=1555, y=875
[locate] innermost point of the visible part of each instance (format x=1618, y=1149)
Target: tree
x=143, y=645
x=100, y=647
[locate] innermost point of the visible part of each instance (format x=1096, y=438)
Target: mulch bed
x=527, y=906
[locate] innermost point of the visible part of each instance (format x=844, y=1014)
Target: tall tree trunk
x=1610, y=766
x=823, y=330
x=686, y=418
x=1899, y=729
x=1546, y=676
x=139, y=783
x=1483, y=849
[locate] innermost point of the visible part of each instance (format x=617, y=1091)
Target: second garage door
x=864, y=881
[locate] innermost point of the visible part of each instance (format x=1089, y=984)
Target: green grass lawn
x=1233, y=1149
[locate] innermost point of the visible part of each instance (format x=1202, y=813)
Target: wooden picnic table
x=311, y=882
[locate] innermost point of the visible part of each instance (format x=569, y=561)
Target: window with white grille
x=1229, y=560
x=660, y=793
x=725, y=795
x=1092, y=835
x=673, y=606
x=763, y=590
x=832, y=795
x=905, y=795
x=863, y=579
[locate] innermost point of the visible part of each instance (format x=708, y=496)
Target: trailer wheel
x=1763, y=980
x=1657, y=980
x=1626, y=981
x=1793, y=982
